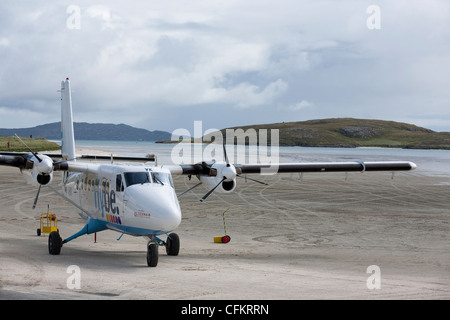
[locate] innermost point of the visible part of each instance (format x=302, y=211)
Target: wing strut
x=72, y=202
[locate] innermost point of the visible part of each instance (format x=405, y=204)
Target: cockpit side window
x=132, y=178
x=119, y=183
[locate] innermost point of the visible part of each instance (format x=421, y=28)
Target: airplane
x=140, y=200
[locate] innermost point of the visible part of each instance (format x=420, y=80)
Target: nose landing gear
x=172, y=248
x=173, y=244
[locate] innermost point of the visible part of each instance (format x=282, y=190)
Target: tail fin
x=67, y=135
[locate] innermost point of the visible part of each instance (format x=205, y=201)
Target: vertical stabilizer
x=67, y=135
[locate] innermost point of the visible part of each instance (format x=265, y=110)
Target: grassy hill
x=39, y=144
x=349, y=132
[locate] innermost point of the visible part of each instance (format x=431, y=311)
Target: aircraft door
x=119, y=191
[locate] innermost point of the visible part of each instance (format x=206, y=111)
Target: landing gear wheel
x=173, y=244
x=54, y=243
x=152, y=255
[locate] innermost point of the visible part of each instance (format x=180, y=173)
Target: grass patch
x=37, y=144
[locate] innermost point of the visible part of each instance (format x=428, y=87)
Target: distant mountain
x=90, y=131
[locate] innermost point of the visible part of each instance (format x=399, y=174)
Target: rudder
x=67, y=133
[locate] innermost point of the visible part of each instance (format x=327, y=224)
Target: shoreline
x=83, y=151
x=184, y=141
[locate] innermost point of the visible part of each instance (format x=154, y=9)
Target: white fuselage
x=135, y=199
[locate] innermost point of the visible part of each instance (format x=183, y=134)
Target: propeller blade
x=225, y=155
x=211, y=191
x=245, y=177
x=37, y=196
x=34, y=153
x=189, y=189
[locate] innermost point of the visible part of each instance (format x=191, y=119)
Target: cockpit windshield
x=161, y=178
x=132, y=178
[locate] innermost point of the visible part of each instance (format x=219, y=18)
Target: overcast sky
x=160, y=65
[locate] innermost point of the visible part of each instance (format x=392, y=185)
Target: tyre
x=38, y=232
x=152, y=255
x=54, y=243
x=173, y=244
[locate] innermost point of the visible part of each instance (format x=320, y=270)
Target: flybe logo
x=113, y=219
x=105, y=199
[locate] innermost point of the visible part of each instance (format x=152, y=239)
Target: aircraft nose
x=158, y=203
x=165, y=211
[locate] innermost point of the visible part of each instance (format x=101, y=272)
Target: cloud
x=4, y=42
x=246, y=95
x=132, y=63
x=300, y=105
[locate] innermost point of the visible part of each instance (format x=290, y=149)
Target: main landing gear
x=172, y=244
x=172, y=248
x=55, y=243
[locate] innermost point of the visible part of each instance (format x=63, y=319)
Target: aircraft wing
x=331, y=166
x=13, y=159
x=347, y=166
x=19, y=159
x=221, y=176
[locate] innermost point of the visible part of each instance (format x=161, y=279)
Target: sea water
x=429, y=162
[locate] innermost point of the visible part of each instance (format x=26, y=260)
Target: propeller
x=34, y=153
x=37, y=196
x=245, y=177
x=212, y=190
x=231, y=173
x=228, y=172
x=189, y=189
x=238, y=175
x=225, y=155
x=44, y=169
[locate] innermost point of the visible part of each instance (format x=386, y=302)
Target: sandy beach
x=308, y=238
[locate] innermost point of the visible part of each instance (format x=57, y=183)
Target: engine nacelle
x=224, y=187
x=219, y=177
x=41, y=169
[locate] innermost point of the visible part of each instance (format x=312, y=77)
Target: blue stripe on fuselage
x=133, y=231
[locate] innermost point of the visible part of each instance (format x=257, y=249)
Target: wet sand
x=312, y=238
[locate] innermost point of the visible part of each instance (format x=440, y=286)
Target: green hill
x=349, y=132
